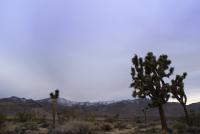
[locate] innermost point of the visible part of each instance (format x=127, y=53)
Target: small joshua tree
x=149, y=81
x=177, y=90
x=54, y=97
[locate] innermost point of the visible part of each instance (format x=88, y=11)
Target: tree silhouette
x=177, y=90
x=149, y=81
x=54, y=97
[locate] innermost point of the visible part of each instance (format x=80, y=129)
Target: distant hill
x=125, y=108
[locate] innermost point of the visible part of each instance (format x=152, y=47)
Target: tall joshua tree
x=177, y=90
x=149, y=81
x=54, y=97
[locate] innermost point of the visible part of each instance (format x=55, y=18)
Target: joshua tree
x=149, y=81
x=54, y=97
x=177, y=90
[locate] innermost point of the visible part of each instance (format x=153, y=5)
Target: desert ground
x=26, y=123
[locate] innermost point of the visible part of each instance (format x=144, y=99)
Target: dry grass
x=95, y=127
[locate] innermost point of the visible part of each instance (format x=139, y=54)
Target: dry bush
x=25, y=117
x=77, y=127
x=110, y=119
x=148, y=131
x=140, y=126
x=180, y=126
x=195, y=119
x=106, y=127
x=193, y=130
x=27, y=126
x=3, y=118
x=152, y=124
x=120, y=125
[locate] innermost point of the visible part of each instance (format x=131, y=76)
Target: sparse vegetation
x=25, y=116
x=98, y=127
x=77, y=127
x=106, y=127
x=3, y=118
x=110, y=119
x=120, y=125
x=195, y=118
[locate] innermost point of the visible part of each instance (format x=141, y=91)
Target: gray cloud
x=84, y=48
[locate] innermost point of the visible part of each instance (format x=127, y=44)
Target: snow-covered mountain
x=61, y=101
x=125, y=108
x=65, y=102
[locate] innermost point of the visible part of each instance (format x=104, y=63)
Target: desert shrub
x=44, y=124
x=69, y=113
x=77, y=127
x=142, y=126
x=170, y=131
x=153, y=130
x=148, y=131
x=41, y=119
x=193, y=130
x=3, y=118
x=110, y=119
x=96, y=123
x=31, y=125
x=151, y=124
x=179, y=126
x=24, y=117
x=138, y=119
x=120, y=125
x=106, y=127
x=22, y=128
x=90, y=118
x=195, y=119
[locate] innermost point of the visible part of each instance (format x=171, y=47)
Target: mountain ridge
x=67, y=102
x=124, y=108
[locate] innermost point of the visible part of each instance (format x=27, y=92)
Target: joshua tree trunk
x=54, y=97
x=186, y=114
x=145, y=117
x=54, y=112
x=163, y=119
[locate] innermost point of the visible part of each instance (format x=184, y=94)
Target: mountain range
x=124, y=108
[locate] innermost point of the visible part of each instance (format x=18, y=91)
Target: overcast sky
x=84, y=47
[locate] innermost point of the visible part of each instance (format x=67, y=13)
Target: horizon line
x=114, y=100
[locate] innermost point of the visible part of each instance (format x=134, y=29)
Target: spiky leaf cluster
x=54, y=95
x=149, y=76
x=177, y=88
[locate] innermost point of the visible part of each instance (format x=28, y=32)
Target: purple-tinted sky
x=84, y=48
